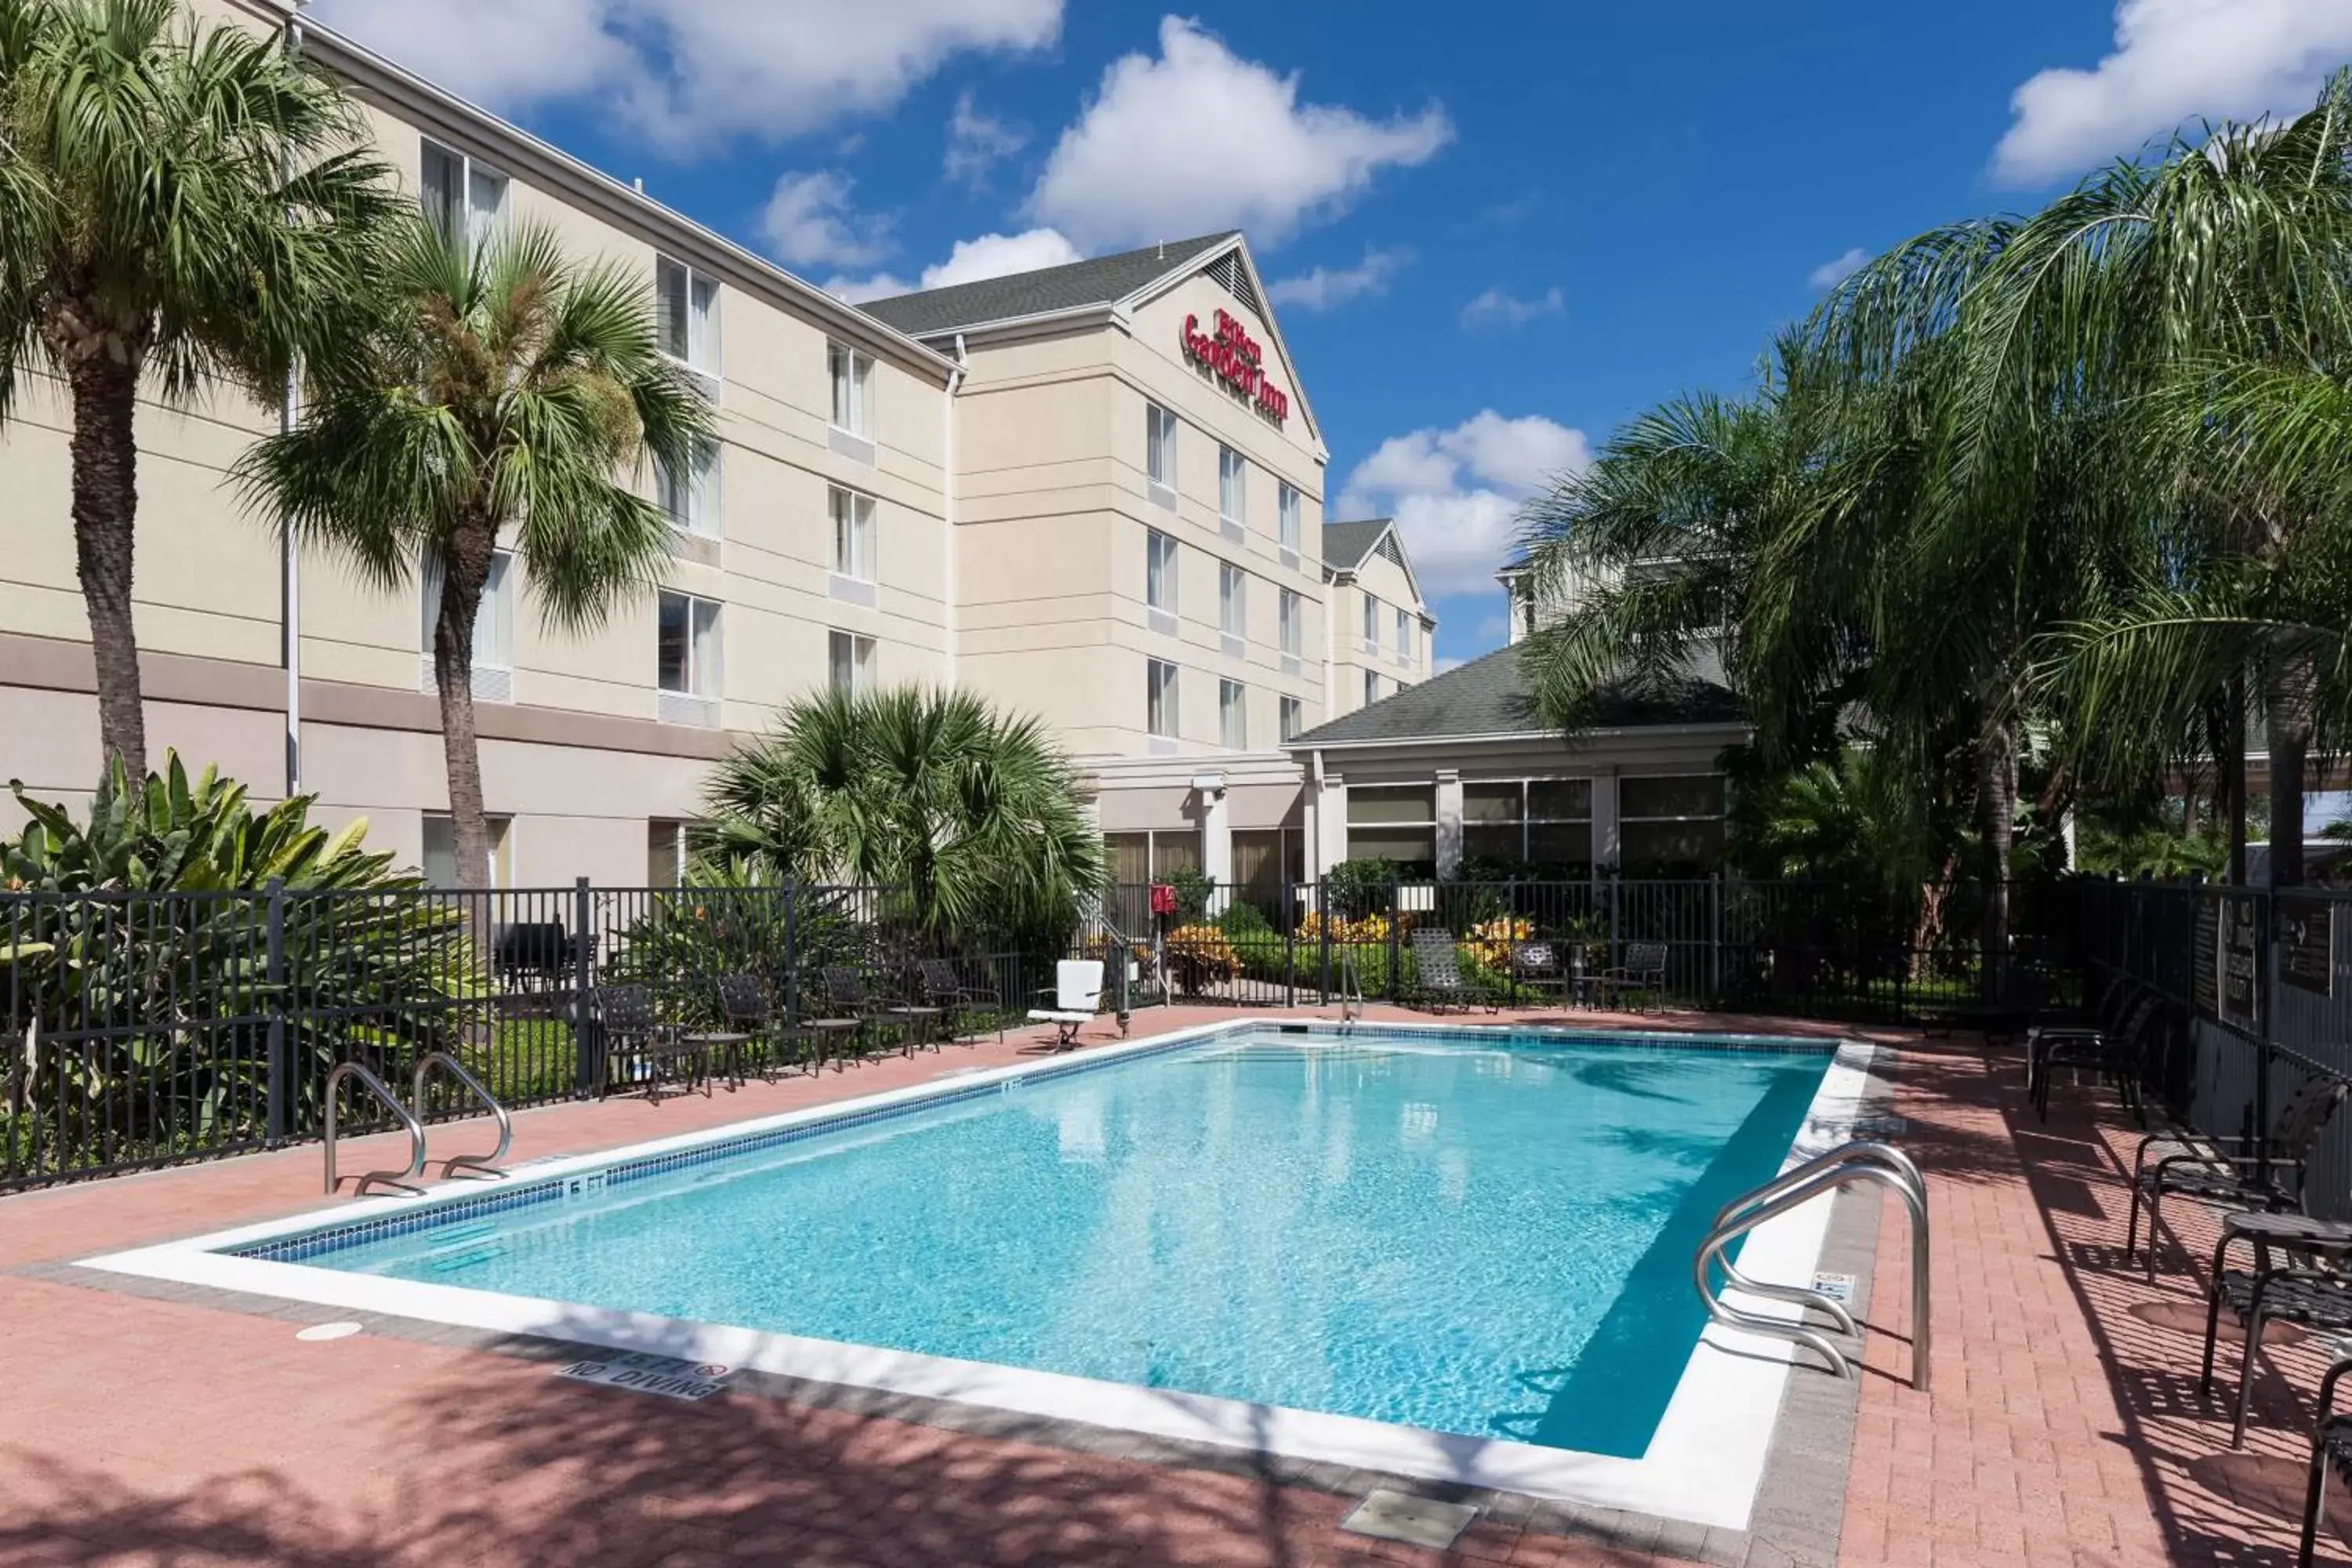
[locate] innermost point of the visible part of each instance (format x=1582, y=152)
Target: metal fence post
x=1323, y=930
x=1396, y=919
x=280, y=1107
x=587, y=1052
x=792, y=955
x=1715, y=938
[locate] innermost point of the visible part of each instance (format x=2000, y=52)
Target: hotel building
x=1093, y=493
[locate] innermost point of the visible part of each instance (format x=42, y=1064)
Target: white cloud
x=1440, y=666
x=2175, y=61
x=1837, y=270
x=808, y=223
x=977, y=142
x=1327, y=286
x=989, y=256
x=690, y=72
x=1200, y=140
x=1456, y=493
x=1499, y=308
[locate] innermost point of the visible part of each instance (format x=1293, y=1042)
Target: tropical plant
x=181, y=207
x=143, y=940
x=1199, y=957
x=498, y=393
x=972, y=814
x=729, y=920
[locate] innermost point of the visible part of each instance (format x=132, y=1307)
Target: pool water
x=1483, y=1238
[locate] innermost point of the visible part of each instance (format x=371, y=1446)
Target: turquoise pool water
x=1487, y=1236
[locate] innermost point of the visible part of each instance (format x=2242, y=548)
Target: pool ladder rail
x=411, y=1119
x=1861, y=1161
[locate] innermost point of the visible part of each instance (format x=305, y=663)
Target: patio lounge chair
x=1078, y=998
x=1437, y=965
x=2310, y=1289
x=945, y=989
x=2224, y=1172
x=631, y=1032
x=1643, y=974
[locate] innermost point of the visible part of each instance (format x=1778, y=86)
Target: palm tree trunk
x=1997, y=812
x=465, y=573
x=2291, y=689
x=2226, y=731
x=105, y=514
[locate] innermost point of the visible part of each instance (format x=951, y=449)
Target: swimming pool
x=1476, y=1240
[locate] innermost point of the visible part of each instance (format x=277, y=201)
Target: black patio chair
x=1439, y=983
x=631, y=1030
x=945, y=989
x=835, y=1021
x=744, y=1002
x=1643, y=974
x=2331, y=1449
x=537, y=955
x=851, y=996
x=2223, y=1172
x=1536, y=966
x=2111, y=1054
x=2310, y=1289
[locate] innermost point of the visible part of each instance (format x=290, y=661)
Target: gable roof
x=1345, y=545
x=1105, y=280
x=1490, y=696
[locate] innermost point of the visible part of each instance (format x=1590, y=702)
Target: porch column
x=1327, y=801
x=1216, y=828
x=1449, y=821
x=1605, y=841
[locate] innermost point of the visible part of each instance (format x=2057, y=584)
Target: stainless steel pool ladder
x=408, y=1122
x=482, y=1164
x=1863, y=1161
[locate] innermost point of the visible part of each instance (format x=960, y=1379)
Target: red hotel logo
x=1237, y=361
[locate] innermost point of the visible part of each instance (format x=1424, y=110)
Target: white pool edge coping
x=1704, y=1464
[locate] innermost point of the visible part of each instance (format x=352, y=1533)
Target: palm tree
x=498, y=394
x=178, y=208
x=974, y=813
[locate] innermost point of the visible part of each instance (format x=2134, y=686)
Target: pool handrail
x=482, y=1164
x=400, y=1179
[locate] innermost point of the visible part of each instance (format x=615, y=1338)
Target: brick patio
x=2063, y=1426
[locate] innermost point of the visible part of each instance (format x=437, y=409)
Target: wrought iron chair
x=2311, y=1290
x=945, y=989
x=1643, y=974
x=630, y=1029
x=2225, y=1172
x=744, y=1003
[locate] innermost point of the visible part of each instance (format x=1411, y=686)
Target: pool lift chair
x=1077, y=999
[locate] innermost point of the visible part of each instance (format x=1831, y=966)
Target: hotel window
x=664, y=854
x=1233, y=491
x=1393, y=822
x=1371, y=625
x=441, y=852
x=1160, y=698
x=1371, y=687
x=493, y=630
x=1293, y=711
x=1542, y=823
x=1670, y=827
x=849, y=663
x=1287, y=513
x=686, y=306
x=465, y=200
x=1233, y=715
x=1293, y=612
x=854, y=537
x=1160, y=452
x=690, y=501
x=853, y=390
x=687, y=654
x=1266, y=861
x=1138, y=858
x=1232, y=601
x=1404, y=635
x=1159, y=572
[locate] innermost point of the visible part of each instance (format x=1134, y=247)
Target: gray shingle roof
x=1489, y=696
x=1101, y=281
x=1345, y=545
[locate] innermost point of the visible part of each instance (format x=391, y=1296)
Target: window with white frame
x=686, y=307
x=1287, y=513
x=440, y=865
x=1371, y=687
x=1159, y=444
x=1371, y=625
x=849, y=663
x=1160, y=698
x=1293, y=717
x=1293, y=612
x=1671, y=825
x=687, y=647
x=463, y=199
x=1159, y=572
x=493, y=629
x=1233, y=600
x=1232, y=490
x=854, y=541
x=1404, y=622
x=853, y=390
x=691, y=500
x=1543, y=822
x=1233, y=715
x=1393, y=822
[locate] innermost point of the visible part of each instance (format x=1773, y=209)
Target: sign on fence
x=2242, y=963
x=2205, y=968
x=2308, y=943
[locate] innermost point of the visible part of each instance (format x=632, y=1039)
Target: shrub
x=1489, y=944
x=1199, y=956
x=1194, y=890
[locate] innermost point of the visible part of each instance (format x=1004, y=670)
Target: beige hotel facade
x=1093, y=493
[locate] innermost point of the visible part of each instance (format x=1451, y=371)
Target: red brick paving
x=2063, y=1428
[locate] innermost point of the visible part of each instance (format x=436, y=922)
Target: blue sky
x=1493, y=231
